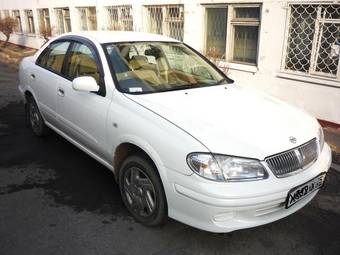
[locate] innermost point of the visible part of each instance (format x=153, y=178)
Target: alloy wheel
x=34, y=116
x=139, y=192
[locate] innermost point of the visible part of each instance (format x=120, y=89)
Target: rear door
x=82, y=115
x=45, y=77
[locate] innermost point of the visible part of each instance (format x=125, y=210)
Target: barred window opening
x=216, y=31
x=120, y=17
x=16, y=16
x=245, y=28
x=88, y=18
x=29, y=22
x=167, y=20
x=233, y=38
x=313, y=44
x=44, y=21
x=63, y=20
x=6, y=13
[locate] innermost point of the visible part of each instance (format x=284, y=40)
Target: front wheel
x=35, y=120
x=142, y=191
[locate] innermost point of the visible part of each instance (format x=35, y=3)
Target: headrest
x=138, y=61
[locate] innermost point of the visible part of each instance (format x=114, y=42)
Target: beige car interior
x=83, y=65
x=154, y=74
x=55, y=62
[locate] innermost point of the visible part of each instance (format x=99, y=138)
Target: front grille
x=287, y=162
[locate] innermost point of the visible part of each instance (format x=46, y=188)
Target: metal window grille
x=16, y=16
x=63, y=20
x=166, y=20
x=6, y=13
x=44, y=21
x=30, y=21
x=245, y=25
x=83, y=18
x=216, y=32
x=313, y=43
x=88, y=19
x=120, y=17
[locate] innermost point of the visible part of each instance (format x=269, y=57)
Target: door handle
x=61, y=92
x=32, y=76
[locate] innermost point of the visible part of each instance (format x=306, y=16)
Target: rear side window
x=42, y=59
x=82, y=62
x=52, y=57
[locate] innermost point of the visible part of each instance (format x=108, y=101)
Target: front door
x=82, y=115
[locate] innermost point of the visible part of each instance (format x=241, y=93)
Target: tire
x=142, y=191
x=34, y=118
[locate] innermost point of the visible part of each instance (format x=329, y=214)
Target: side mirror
x=85, y=83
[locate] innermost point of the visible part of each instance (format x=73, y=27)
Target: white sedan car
x=182, y=139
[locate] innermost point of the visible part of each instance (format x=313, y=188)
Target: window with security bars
x=30, y=28
x=17, y=17
x=313, y=43
x=166, y=20
x=63, y=20
x=245, y=29
x=6, y=13
x=235, y=26
x=88, y=18
x=44, y=21
x=120, y=17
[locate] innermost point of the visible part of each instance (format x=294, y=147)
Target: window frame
x=230, y=29
x=29, y=15
x=44, y=20
x=311, y=75
x=86, y=21
x=122, y=18
x=48, y=49
x=60, y=15
x=163, y=24
x=6, y=13
x=17, y=16
x=68, y=56
x=91, y=46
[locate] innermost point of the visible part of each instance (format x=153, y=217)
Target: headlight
x=226, y=168
x=321, y=138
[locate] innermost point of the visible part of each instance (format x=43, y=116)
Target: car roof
x=120, y=36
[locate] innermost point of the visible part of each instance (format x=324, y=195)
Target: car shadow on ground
x=71, y=177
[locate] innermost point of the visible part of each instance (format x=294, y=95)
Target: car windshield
x=151, y=67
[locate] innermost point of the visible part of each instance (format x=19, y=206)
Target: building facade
x=289, y=49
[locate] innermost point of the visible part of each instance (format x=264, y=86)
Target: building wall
x=318, y=96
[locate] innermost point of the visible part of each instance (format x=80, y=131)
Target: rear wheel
x=35, y=120
x=142, y=191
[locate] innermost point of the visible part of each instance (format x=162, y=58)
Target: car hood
x=233, y=120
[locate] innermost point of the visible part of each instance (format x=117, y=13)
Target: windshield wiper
x=182, y=87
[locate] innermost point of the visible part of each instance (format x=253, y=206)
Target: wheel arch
x=29, y=93
x=127, y=148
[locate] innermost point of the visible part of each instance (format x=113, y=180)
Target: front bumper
x=225, y=207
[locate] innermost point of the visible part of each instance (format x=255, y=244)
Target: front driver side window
x=82, y=62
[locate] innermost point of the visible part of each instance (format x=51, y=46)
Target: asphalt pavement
x=54, y=199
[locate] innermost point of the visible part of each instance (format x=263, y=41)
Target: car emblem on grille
x=292, y=139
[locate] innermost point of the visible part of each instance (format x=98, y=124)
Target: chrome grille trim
x=288, y=162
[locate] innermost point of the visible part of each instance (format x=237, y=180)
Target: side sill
x=83, y=148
